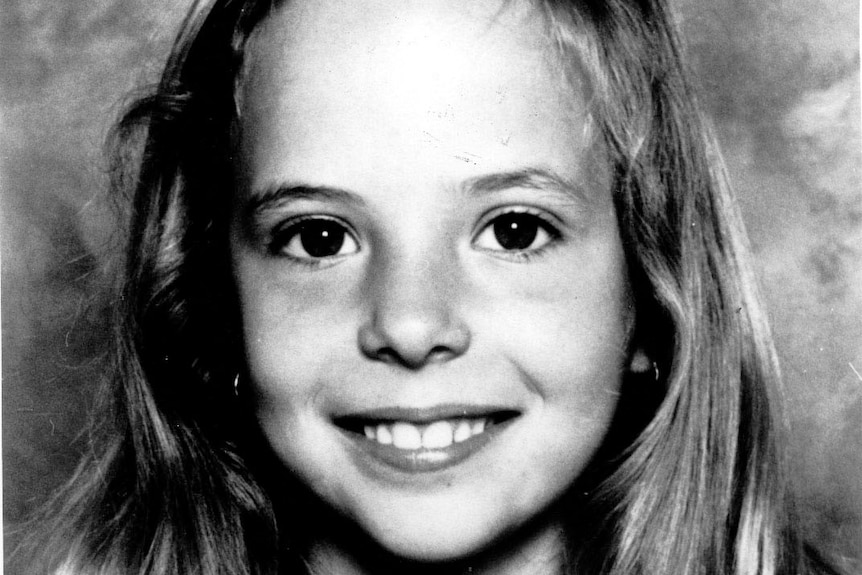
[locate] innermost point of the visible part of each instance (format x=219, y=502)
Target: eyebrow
x=272, y=197
x=534, y=178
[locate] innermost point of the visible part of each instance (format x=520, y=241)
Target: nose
x=412, y=319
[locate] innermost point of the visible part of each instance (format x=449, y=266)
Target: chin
x=436, y=547
x=430, y=541
x=455, y=534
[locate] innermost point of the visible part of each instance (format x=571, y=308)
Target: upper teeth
x=436, y=435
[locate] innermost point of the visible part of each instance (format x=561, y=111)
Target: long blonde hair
x=690, y=480
x=701, y=488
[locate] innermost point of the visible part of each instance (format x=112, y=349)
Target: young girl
x=431, y=287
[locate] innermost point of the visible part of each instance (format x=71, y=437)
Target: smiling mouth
x=424, y=440
x=418, y=433
x=438, y=434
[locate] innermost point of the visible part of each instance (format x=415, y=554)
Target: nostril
x=440, y=353
x=387, y=355
x=409, y=349
x=437, y=354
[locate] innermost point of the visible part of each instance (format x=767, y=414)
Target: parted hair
x=690, y=479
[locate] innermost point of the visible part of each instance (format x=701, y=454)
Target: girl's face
x=434, y=296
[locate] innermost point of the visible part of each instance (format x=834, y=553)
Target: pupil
x=515, y=231
x=321, y=239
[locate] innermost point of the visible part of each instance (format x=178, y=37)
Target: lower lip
x=427, y=460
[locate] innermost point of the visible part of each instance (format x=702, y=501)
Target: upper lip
x=420, y=415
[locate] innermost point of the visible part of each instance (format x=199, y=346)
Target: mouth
x=424, y=440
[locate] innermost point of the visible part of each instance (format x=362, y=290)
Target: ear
x=640, y=362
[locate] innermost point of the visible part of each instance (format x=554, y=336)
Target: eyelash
x=542, y=222
x=290, y=231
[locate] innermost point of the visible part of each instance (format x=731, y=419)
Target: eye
x=516, y=231
x=314, y=238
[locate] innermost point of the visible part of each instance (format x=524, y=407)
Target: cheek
x=292, y=341
x=292, y=331
x=569, y=327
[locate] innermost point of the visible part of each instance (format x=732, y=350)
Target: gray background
x=779, y=77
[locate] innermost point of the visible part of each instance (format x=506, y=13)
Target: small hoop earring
x=236, y=386
x=655, y=371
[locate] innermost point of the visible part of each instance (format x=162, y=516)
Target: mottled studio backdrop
x=780, y=78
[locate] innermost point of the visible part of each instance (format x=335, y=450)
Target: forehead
x=425, y=33
x=440, y=34
x=457, y=75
